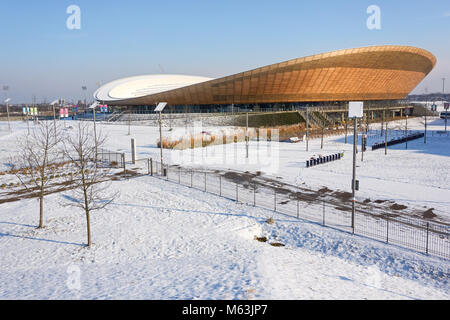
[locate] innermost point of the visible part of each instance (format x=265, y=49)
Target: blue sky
x=41, y=57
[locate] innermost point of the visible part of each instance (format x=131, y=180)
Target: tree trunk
x=88, y=228
x=41, y=210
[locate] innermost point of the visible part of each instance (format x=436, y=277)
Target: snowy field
x=164, y=241
x=160, y=240
x=418, y=178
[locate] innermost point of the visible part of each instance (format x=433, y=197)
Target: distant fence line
x=427, y=237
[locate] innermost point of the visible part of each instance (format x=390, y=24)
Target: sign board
x=94, y=105
x=7, y=100
x=446, y=105
x=66, y=112
x=61, y=113
x=160, y=107
x=355, y=109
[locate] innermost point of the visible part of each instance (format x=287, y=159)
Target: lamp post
x=355, y=111
x=7, y=111
x=159, y=108
x=54, y=114
x=93, y=106
x=6, y=88
x=84, y=88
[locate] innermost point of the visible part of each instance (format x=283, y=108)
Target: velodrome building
x=375, y=73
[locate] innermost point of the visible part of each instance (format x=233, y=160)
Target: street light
x=355, y=111
x=54, y=114
x=159, y=108
x=7, y=111
x=93, y=106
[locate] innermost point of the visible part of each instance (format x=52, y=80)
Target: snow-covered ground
x=160, y=240
x=418, y=178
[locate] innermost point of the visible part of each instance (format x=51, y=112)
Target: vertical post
x=7, y=112
x=385, y=140
x=321, y=140
x=237, y=193
x=148, y=166
x=95, y=137
x=160, y=139
x=323, y=218
x=254, y=194
x=192, y=173
x=428, y=231
x=129, y=124
x=406, y=131
x=355, y=122
x=298, y=208
x=123, y=163
x=307, y=125
x=220, y=185
x=54, y=121
x=387, y=229
x=133, y=151
x=346, y=131
x=425, y=136
x=246, y=137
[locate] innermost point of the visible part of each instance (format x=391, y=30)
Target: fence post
x=254, y=194
x=298, y=208
x=123, y=162
x=323, y=220
x=387, y=229
x=151, y=166
x=428, y=229
x=237, y=193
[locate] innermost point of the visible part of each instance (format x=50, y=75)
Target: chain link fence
x=428, y=237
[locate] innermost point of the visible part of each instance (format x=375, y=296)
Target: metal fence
x=423, y=236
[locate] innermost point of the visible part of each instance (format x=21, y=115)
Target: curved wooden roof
x=368, y=73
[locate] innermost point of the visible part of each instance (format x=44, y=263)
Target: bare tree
x=90, y=183
x=32, y=164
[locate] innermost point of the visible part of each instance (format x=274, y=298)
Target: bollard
x=307, y=163
x=133, y=151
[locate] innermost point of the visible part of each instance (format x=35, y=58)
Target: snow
x=160, y=240
x=164, y=241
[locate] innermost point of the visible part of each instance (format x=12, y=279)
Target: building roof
x=368, y=73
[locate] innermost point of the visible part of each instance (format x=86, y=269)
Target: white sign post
x=159, y=108
x=355, y=111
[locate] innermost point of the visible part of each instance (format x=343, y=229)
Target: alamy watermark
x=374, y=19
x=73, y=22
